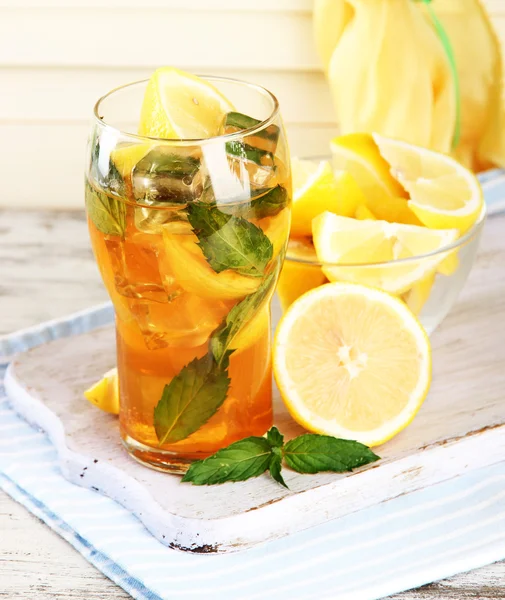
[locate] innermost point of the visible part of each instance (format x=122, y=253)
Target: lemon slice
x=105, y=393
x=339, y=240
x=314, y=191
x=182, y=106
x=359, y=156
x=363, y=213
x=298, y=275
x=352, y=362
x=419, y=294
x=182, y=258
x=443, y=194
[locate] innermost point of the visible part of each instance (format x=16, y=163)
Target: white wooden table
x=47, y=271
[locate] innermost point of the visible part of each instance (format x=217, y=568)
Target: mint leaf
x=275, y=437
x=222, y=339
x=246, y=458
x=164, y=161
x=111, y=180
x=308, y=453
x=190, y=399
x=229, y=242
x=243, y=151
x=269, y=204
x=235, y=121
x=275, y=467
x=311, y=453
x=107, y=213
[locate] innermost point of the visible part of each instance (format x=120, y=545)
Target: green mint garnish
x=239, y=121
x=250, y=457
x=222, y=339
x=244, y=151
x=190, y=399
x=107, y=213
x=229, y=242
x=270, y=203
x=311, y=453
x=242, y=460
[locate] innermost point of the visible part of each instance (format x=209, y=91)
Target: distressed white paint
x=461, y=427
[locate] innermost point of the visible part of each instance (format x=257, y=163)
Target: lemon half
x=352, y=362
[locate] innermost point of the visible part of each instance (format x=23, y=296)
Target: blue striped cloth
x=409, y=541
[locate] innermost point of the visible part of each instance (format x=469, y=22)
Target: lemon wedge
x=363, y=213
x=314, y=191
x=443, y=193
x=298, y=275
x=105, y=393
x=348, y=242
x=358, y=155
x=183, y=259
x=352, y=362
x=178, y=105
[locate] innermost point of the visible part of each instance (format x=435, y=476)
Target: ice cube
x=152, y=220
x=134, y=262
x=168, y=176
x=187, y=321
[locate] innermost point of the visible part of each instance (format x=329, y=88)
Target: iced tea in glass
x=189, y=237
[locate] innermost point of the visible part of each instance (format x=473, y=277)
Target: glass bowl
x=429, y=284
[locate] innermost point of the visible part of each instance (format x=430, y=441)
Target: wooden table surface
x=47, y=271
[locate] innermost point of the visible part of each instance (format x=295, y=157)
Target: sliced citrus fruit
x=357, y=154
x=126, y=157
x=105, y=393
x=419, y=293
x=258, y=326
x=394, y=210
x=184, y=260
x=314, y=191
x=349, y=194
x=450, y=263
x=298, y=275
x=378, y=253
x=352, y=362
x=443, y=193
x=178, y=105
x=363, y=213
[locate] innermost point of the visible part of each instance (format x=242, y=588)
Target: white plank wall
x=57, y=58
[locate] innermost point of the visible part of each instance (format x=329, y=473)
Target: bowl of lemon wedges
x=385, y=214
x=383, y=237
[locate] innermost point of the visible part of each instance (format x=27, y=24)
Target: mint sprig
x=252, y=456
x=229, y=242
x=107, y=213
x=222, y=339
x=246, y=458
x=190, y=399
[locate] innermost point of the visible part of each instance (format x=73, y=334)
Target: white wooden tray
x=460, y=427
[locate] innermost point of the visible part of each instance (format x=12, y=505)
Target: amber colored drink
x=190, y=261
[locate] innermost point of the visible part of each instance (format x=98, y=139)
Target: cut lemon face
x=105, y=393
x=443, y=193
x=349, y=242
x=358, y=155
x=296, y=278
x=178, y=105
x=314, y=191
x=352, y=362
x=364, y=214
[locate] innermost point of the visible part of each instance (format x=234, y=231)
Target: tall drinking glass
x=189, y=237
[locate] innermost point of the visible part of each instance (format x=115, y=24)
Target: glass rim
x=192, y=141
x=466, y=237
